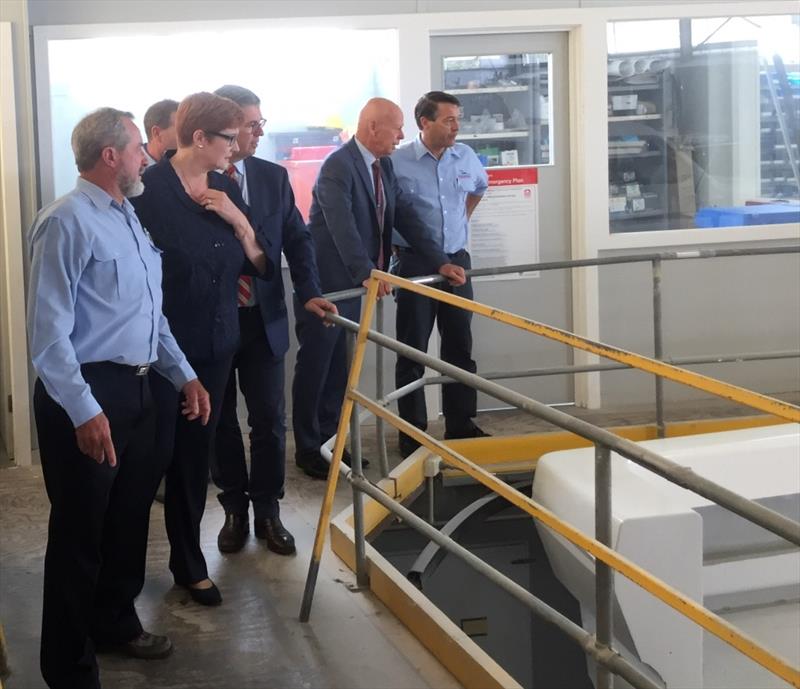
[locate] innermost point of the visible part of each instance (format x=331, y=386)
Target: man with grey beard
x=95, y=327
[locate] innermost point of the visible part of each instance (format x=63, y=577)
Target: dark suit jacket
x=272, y=207
x=201, y=261
x=344, y=224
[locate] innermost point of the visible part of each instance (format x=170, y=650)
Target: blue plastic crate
x=737, y=216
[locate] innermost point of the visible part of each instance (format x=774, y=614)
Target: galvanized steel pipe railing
x=680, y=475
x=604, y=556
x=655, y=259
x=602, y=553
x=605, y=656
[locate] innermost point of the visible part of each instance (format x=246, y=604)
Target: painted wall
x=709, y=306
x=604, y=304
x=55, y=12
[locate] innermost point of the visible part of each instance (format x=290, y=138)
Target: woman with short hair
x=198, y=219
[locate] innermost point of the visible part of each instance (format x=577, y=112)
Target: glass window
x=703, y=122
x=310, y=97
x=506, y=106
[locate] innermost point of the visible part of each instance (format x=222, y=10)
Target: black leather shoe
x=210, y=596
x=313, y=465
x=348, y=459
x=147, y=646
x=271, y=530
x=233, y=534
x=471, y=431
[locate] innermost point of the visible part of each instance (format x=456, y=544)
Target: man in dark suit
x=356, y=202
x=259, y=361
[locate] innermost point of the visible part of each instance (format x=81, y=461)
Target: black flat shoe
x=233, y=534
x=210, y=596
x=278, y=539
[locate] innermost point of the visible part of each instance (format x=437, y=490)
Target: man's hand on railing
x=384, y=288
x=455, y=274
x=320, y=307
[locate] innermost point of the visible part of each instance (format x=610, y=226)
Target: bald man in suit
x=356, y=202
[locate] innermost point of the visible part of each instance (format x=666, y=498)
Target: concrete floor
x=254, y=639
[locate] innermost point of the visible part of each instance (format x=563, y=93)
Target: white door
x=520, y=81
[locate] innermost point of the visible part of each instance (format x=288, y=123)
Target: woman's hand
x=220, y=203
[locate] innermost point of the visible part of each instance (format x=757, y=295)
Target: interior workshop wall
x=615, y=313
x=715, y=306
x=56, y=12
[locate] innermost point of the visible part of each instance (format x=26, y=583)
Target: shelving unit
x=637, y=158
x=509, y=134
x=633, y=118
x=509, y=91
x=777, y=177
x=489, y=89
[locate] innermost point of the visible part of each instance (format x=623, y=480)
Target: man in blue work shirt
x=95, y=327
x=445, y=181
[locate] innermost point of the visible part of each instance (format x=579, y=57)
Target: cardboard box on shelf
x=626, y=102
x=509, y=157
x=632, y=190
x=684, y=180
x=617, y=204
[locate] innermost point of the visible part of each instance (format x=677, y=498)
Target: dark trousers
x=415, y=318
x=261, y=380
x=99, y=517
x=183, y=448
x=320, y=376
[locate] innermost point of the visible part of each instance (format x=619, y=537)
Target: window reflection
x=506, y=109
x=703, y=122
x=312, y=84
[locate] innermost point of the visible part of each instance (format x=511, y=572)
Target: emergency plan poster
x=504, y=228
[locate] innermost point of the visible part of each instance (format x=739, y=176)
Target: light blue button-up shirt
x=95, y=295
x=439, y=189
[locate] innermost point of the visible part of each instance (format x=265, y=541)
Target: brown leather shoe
x=271, y=530
x=233, y=534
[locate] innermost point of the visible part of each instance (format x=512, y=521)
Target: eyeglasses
x=230, y=139
x=255, y=124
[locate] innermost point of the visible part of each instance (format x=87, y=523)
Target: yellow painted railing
x=663, y=591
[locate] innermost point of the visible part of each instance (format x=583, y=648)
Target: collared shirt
x=366, y=154
x=241, y=179
x=150, y=160
x=95, y=295
x=439, y=189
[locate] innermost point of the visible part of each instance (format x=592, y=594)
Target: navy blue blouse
x=201, y=260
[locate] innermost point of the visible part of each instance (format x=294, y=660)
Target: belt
x=409, y=250
x=135, y=369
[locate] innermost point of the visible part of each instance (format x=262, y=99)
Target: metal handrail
x=655, y=258
x=605, y=441
x=662, y=466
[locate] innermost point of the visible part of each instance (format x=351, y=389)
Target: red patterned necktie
x=379, y=207
x=244, y=294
